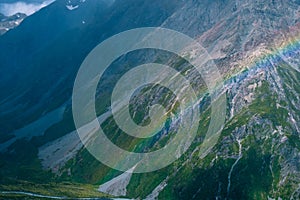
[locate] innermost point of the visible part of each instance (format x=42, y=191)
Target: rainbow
x=282, y=49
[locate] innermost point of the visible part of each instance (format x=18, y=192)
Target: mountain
x=255, y=46
x=35, y=35
x=12, y=12
x=12, y=7
x=7, y=23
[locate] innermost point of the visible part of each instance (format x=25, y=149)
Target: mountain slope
x=255, y=46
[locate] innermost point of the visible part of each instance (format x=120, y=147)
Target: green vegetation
x=63, y=189
x=189, y=177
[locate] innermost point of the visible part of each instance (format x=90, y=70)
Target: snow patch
x=71, y=7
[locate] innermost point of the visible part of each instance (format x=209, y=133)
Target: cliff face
x=255, y=47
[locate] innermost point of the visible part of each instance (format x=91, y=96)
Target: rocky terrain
x=254, y=44
x=7, y=23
